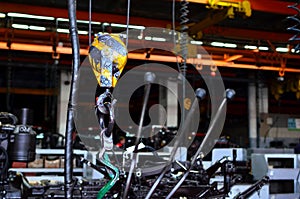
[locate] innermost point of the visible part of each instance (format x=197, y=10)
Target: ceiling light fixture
x=263, y=48
x=217, y=44
x=196, y=42
x=40, y=28
x=282, y=49
x=79, y=21
x=221, y=44
x=60, y=30
x=81, y=32
x=229, y=45
x=2, y=15
x=21, y=15
x=20, y=26
x=129, y=26
x=249, y=47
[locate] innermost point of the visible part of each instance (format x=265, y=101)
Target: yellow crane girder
x=241, y=6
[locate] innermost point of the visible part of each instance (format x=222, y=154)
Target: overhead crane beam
x=274, y=6
x=195, y=29
x=225, y=9
x=243, y=6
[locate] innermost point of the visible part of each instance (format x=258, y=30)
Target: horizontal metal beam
x=47, y=38
x=249, y=53
x=247, y=34
x=218, y=63
x=160, y=58
x=274, y=6
x=137, y=43
x=29, y=91
x=40, y=48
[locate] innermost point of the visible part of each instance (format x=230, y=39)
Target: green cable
x=114, y=177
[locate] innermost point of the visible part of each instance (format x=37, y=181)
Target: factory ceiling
x=263, y=24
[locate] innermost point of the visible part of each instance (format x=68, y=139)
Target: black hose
x=3, y=172
x=70, y=127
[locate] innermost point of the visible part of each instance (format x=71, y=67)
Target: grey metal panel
x=259, y=166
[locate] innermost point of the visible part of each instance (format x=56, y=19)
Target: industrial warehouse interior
x=150, y=99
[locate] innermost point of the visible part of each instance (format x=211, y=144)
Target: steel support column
x=252, y=115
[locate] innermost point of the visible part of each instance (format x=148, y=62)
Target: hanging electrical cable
x=173, y=21
x=90, y=22
x=127, y=23
x=70, y=127
x=113, y=174
x=296, y=27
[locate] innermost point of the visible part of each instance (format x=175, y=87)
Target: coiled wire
x=184, y=11
x=295, y=28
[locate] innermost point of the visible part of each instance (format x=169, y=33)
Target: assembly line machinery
x=167, y=178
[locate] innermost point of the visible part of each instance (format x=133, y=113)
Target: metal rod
x=255, y=187
x=228, y=95
x=70, y=127
x=149, y=77
x=200, y=93
x=94, y=166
